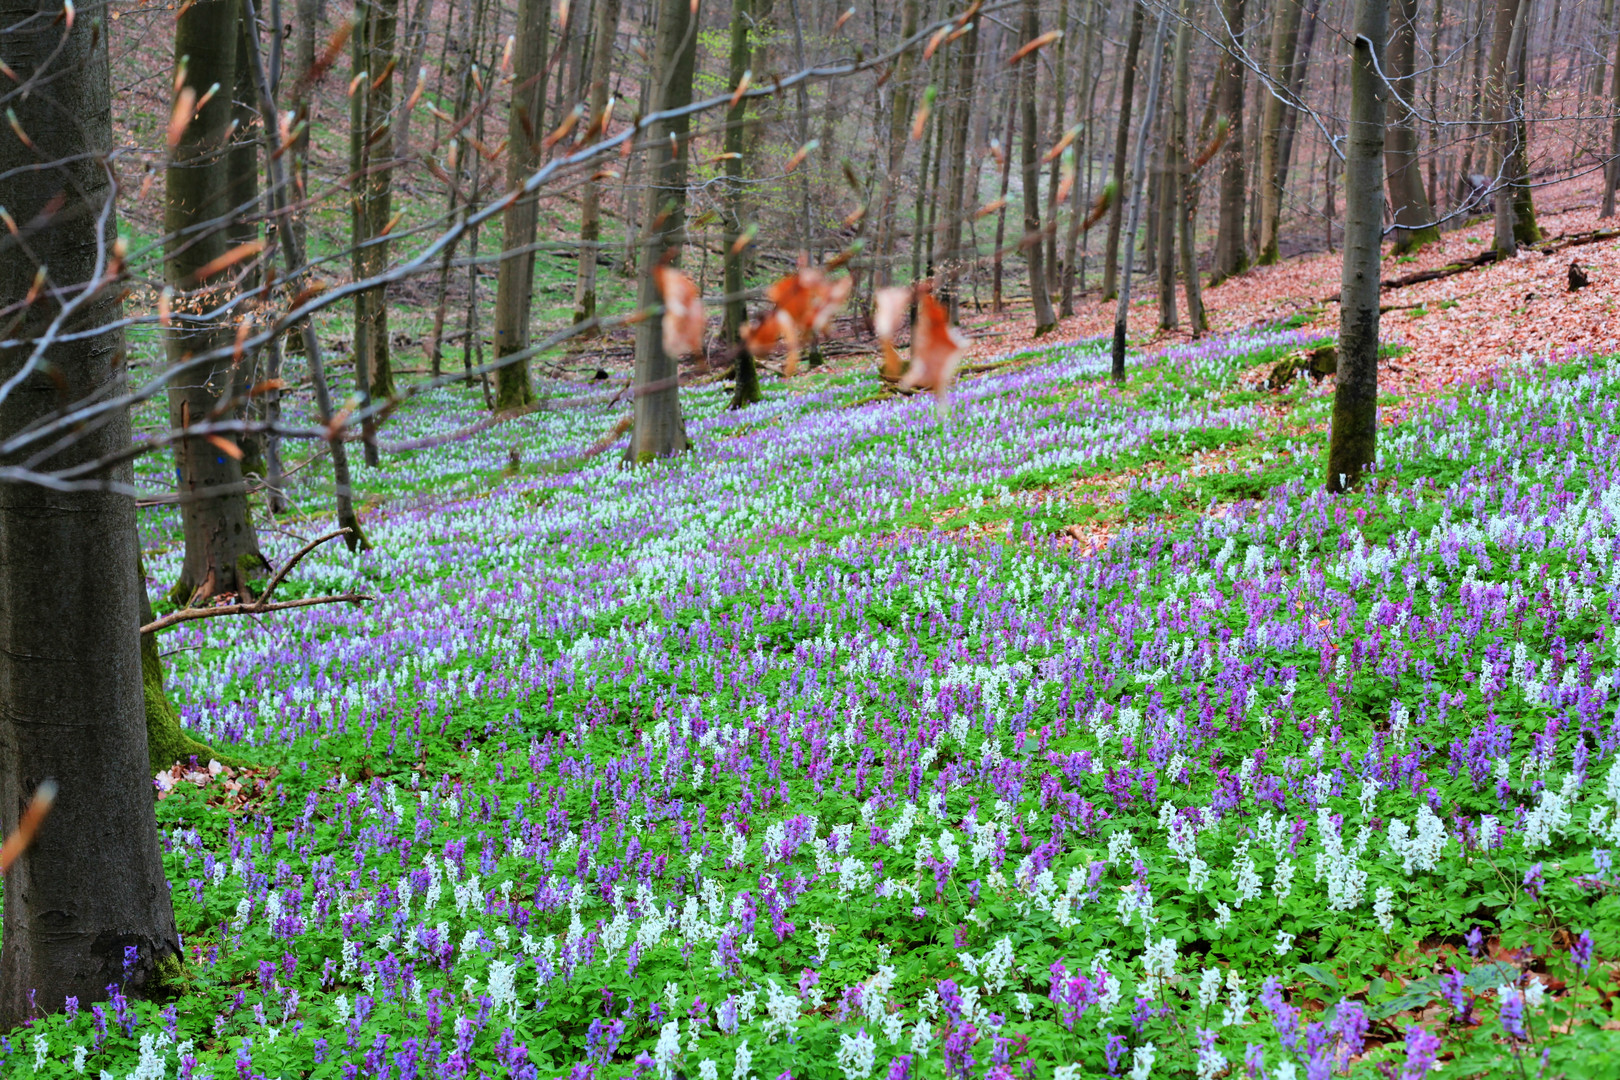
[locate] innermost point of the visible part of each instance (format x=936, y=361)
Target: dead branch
x=263, y=604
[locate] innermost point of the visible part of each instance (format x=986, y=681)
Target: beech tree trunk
x=1284, y=35
x=1231, y=257
x=371, y=152
x=1077, y=196
x=1122, y=135
x=1414, y=220
x=1139, y=173
x=659, y=429
x=1612, y=172
x=1186, y=185
x=590, y=215
x=1045, y=320
x=222, y=547
x=514, y=287
x=71, y=710
x=899, y=123
x=957, y=173
x=1353, y=445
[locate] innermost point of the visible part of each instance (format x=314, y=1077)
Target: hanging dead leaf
x=1030, y=46
x=888, y=315
x=684, y=321
x=936, y=346
x=18, y=841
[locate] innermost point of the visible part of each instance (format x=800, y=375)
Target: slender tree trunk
x=1164, y=224
x=1524, y=209
x=1353, y=446
x=1045, y=320
x=807, y=239
x=413, y=52
x=899, y=121
x=1186, y=186
x=1269, y=178
x=222, y=548
x=289, y=244
x=996, y=268
x=242, y=194
x=590, y=218
x=1231, y=257
x=659, y=430
x=1082, y=185
x=514, y=287
x=1612, y=172
x=745, y=386
x=956, y=182
x=1116, y=213
x=1296, y=90
x=1059, y=94
x=1139, y=173
x=1508, y=30
x=92, y=884
x=1414, y=220
x=371, y=151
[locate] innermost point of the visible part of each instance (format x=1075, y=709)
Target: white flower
x=708, y=1070
x=745, y=1059
x=667, y=1049
x=920, y=1038
x=1197, y=874
x=1384, y=909
x=1142, y=1061
x=1285, y=942
x=1223, y=914
x=1283, y=883
x=502, y=991
x=1209, y=987
x=856, y=1055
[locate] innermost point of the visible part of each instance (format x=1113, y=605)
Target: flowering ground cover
x=819, y=751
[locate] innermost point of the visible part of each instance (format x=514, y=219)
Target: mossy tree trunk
x=166, y=741
x=92, y=883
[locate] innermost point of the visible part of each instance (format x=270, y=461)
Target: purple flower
x=1581, y=950
x=1512, y=1014
x=1533, y=881
x=1115, y=1053
x=1422, y=1050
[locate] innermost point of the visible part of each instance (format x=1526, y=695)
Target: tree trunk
x=956, y=182
x=1414, y=220
x=899, y=121
x=92, y=884
x=1353, y=443
x=1138, y=171
x=1231, y=257
x=1122, y=135
x=590, y=217
x=1504, y=21
x=222, y=548
x=996, y=268
x=659, y=429
x=166, y=741
x=1296, y=90
x=289, y=243
x=1045, y=320
x=1164, y=222
x=1612, y=172
x=514, y=287
x=1077, y=195
x=371, y=151
x=1186, y=185
x=1059, y=94
x=1284, y=35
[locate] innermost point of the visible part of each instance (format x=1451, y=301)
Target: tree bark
x=1296, y=90
x=1284, y=36
x=1507, y=107
x=590, y=217
x=1612, y=172
x=1186, y=185
x=1353, y=445
x=1138, y=171
x=956, y=177
x=1045, y=320
x=1116, y=213
x=659, y=429
x=1231, y=257
x=71, y=710
x=514, y=287
x=222, y=548
x=899, y=120
x=1414, y=220
x=996, y=267
x=1077, y=195
x=371, y=152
